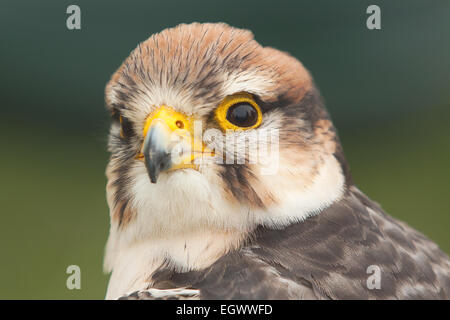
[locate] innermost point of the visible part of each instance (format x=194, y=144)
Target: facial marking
x=193, y=69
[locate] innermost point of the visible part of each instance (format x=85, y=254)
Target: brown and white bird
x=188, y=222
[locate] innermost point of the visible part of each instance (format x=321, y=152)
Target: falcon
x=195, y=214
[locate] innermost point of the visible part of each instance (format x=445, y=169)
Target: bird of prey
x=195, y=216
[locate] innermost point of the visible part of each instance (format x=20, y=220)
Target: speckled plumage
x=226, y=231
x=325, y=257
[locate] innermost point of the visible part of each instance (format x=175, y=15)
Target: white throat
x=197, y=225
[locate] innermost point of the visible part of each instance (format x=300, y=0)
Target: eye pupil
x=242, y=115
x=125, y=127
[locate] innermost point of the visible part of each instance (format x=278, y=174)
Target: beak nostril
x=179, y=124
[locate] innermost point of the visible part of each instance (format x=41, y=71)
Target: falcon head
x=212, y=131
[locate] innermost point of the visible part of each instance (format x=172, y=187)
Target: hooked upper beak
x=169, y=143
x=155, y=150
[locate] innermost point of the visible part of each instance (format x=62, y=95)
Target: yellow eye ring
x=249, y=113
x=122, y=135
x=125, y=127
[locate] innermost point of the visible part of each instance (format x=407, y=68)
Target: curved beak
x=156, y=151
x=169, y=143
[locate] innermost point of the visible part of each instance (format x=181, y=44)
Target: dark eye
x=242, y=114
x=126, y=129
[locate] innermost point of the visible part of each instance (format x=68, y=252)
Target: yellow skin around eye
x=221, y=111
x=122, y=135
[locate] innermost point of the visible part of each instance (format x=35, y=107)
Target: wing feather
x=326, y=256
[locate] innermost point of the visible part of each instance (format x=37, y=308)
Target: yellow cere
x=174, y=120
x=181, y=125
x=229, y=101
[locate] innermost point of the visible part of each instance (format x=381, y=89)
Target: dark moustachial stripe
x=122, y=154
x=236, y=177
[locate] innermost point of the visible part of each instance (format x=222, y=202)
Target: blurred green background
x=387, y=91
